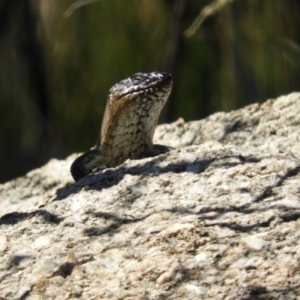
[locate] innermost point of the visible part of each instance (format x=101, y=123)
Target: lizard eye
x=138, y=78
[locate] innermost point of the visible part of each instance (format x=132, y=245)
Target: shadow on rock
x=110, y=177
x=111, y=229
x=16, y=217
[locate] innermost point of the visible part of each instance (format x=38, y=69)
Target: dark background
x=57, y=64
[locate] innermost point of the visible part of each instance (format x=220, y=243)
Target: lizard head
x=141, y=84
x=136, y=103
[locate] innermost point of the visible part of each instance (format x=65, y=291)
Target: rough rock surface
x=272, y=126
x=219, y=220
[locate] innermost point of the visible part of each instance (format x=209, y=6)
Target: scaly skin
x=130, y=117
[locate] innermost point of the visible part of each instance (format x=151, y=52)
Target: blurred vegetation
x=58, y=59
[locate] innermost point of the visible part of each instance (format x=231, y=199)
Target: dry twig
x=207, y=11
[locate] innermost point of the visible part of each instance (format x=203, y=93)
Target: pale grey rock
x=25, y=192
x=272, y=126
x=208, y=221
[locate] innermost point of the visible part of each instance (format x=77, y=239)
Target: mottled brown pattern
x=131, y=114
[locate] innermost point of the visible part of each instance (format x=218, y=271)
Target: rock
x=272, y=126
x=218, y=218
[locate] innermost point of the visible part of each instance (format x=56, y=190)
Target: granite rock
x=272, y=126
x=218, y=218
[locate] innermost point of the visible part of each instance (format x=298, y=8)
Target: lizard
x=130, y=118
